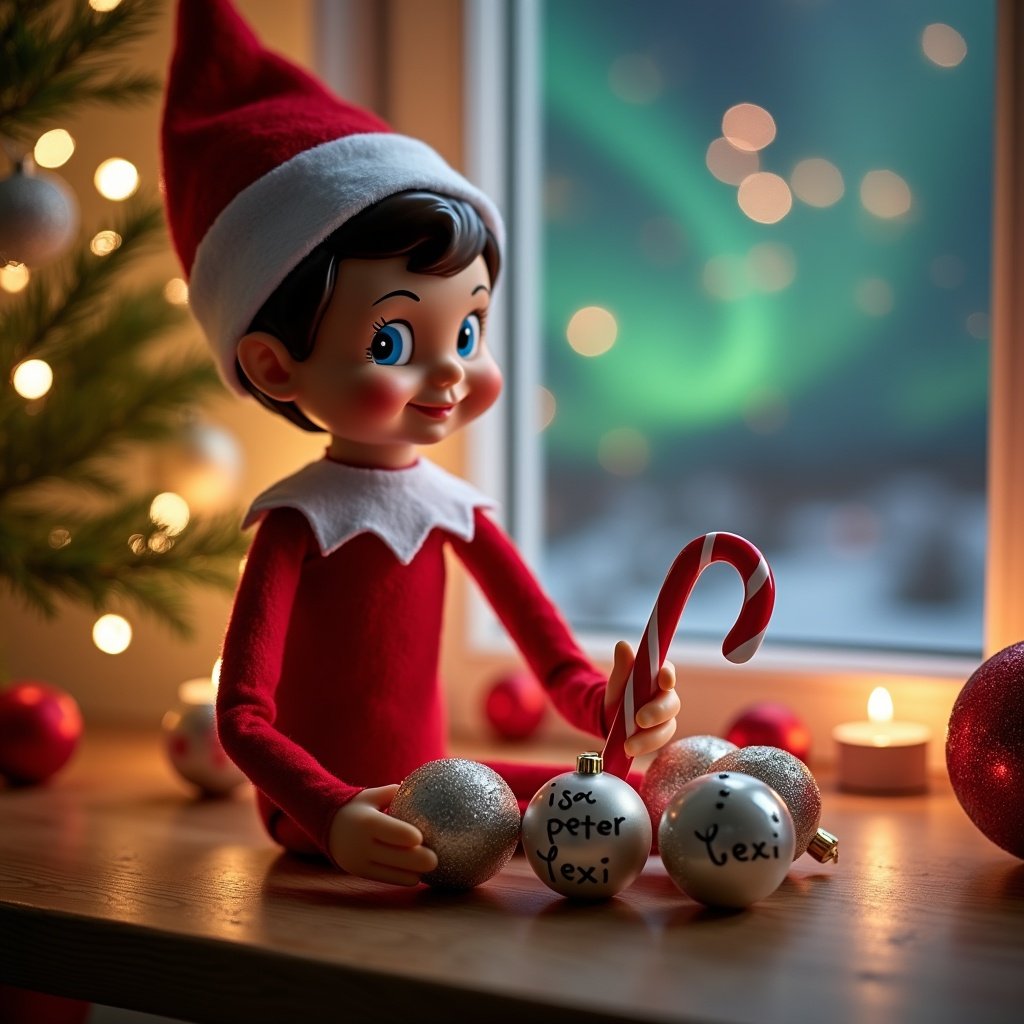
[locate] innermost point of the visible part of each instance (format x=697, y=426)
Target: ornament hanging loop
x=740, y=644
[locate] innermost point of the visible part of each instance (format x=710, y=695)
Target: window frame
x=499, y=49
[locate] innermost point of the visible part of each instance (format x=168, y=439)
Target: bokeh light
x=771, y=266
x=546, y=409
x=176, y=291
x=636, y=78
x=53, y=148
x=874, y=296
x=116, y=179
x=112, y=634
x=725, y=277
x=592, y=331
x=978, y=326
x=104, y=243
x=748, y=126
x=103, y=5
x=171, y=512
x=14, y=277
x=885, y=194
x=764, y=197
x=943, y=45
x=624, y=451
x=729, y=164
x=817, y=182
x=32, y=378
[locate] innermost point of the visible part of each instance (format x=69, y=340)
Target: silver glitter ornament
x=727, y=839
x=587, y=834
x=790, y=778
x=676, y=764
x=194, y=750
x=38, y=216
x=468, y=816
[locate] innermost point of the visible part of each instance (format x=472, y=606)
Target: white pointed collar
x=401, y=506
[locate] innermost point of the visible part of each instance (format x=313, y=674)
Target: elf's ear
x=268, y=364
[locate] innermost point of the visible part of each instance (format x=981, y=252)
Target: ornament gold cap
x=824, y=847
x=589, y=763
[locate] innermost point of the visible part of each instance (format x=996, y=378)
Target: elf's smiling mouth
x=434, y=412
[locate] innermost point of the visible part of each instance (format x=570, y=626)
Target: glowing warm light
x=748, y=126
x=112, y=634
x=729, y=164
x=624, y=452
x=636, y=78
x=885, y=194
x=725, y=277
x=171, y=512
x=764, y=197
x=215, y=672
x=104, y=243
x=160, y=542
x=880, y=705
x=116, y=179
x=103, y=5
x=592, y=331
x=771, y=266
x=874, y=296
x=32, y=378
x=14, y=277
x=53, y=148
x=817, y=182
x=242, y=563
x=176, y=292
x=943, y=45
x=546, y=408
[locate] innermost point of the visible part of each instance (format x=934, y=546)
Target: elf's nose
x=446, y=371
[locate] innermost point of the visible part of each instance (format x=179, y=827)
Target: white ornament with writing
x=727, y=839
x=587, y=834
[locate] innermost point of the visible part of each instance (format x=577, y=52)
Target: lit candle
x=202, y=690
x=881, y=755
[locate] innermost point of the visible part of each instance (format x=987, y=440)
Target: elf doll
x=343, y=274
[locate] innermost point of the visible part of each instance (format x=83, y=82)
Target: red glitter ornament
x=515, y=705
x=40, y=726
x=771, y=725
x=985, y=749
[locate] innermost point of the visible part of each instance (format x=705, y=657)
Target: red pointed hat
x=261, y=163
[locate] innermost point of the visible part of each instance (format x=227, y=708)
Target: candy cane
x=740, y=645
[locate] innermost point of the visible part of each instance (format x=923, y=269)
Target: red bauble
x=985, y=749
x=515, y=705
x=40, y=726
x=771, y=725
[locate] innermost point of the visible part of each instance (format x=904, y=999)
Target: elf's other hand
x=655, y=720
x=367, y=842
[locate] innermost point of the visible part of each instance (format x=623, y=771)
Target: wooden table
x=117, y=887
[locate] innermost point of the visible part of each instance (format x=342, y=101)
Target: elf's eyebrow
x=399, y=291
x=480, y=288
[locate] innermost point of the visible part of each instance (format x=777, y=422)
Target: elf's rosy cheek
x=486, y=386
x=379, y=397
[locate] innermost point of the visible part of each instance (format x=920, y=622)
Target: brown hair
x=440, y=235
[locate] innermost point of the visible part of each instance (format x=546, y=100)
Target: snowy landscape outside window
x=763, y=281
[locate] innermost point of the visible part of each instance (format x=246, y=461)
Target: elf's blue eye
x=469, y=337
x=392, y=344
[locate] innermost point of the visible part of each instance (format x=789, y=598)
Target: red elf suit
x=329, y=681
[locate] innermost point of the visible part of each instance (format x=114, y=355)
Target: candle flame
x=880, y=705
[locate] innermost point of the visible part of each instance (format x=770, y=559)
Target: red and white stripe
x=740, y=645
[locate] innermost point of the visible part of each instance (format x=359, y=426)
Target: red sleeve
x=253, y=653
x=535, y=625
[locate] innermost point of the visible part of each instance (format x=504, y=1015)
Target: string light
x=112, y=634
x=592, y=331
x=14, y=277
x=764, y=197
x=748, y=126
x=176, y=292
x=116, y=179
x=32, y=378
x=170, y=511
x=105, y=242
x=53, y=148
x=102, y=6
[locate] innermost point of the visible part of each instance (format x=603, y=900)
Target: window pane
x=765, y=288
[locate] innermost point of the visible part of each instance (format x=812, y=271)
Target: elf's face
x=399, y=360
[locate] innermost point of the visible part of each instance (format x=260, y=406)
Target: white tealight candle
x=880, y=755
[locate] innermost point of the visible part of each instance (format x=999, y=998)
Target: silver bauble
x=586, y=833
x=676, y=764
x=789, y=777
x=38, y=217
x=468, y=816
x=726, y=839
x=195, y=752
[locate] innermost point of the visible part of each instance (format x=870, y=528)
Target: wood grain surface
x=118, y=886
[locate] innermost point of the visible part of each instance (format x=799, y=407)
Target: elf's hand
x=369, y=843
x=655, y=720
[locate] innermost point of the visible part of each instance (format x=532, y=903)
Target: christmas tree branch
x=48, y=65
